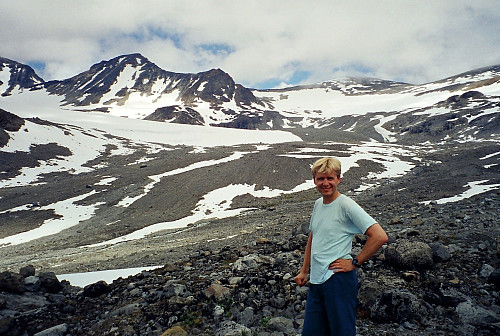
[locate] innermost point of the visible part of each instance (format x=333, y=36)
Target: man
x=332, y=294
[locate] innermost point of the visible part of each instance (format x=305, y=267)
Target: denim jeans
x=331, y=306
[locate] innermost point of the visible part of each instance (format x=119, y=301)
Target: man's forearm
x=376, y=238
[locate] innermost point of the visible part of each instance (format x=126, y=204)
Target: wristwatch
x=355, y=262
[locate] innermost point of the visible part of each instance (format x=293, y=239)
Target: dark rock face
x=49, y=282
x=398, y=306
x=177, y=115
x=96, y=289
x=21, y=76
x=494, y=278
x=12, y=162
x=11, y=282
x=8, y=122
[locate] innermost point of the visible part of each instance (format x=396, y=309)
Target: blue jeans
x=331, y=306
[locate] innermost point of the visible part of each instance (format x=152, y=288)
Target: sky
x=260, y=43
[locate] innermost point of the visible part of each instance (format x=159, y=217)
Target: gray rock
x=440, y=252
x=368, y=294
x=234, y=281
x=231, y=328
x=282, y=324
x=246, y=317
x=471, y=313
x=406, y=254
x=25, y=302
x=174, y=289
x=58, y=330
x=32, y=283
x=486, y=271
x=252, y=261
x=451, y=297
x=398, y=306
x=127, y=310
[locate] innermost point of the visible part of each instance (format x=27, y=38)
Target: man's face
x=327, y=183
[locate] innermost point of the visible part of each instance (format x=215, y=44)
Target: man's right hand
x=301, y=279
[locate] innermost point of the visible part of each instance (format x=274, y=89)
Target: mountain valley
x=128, y=165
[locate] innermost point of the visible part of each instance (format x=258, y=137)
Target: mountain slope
x=132, y=86
x=16, y=76
x=120, y=85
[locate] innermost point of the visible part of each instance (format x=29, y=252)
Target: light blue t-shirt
x=333, y=226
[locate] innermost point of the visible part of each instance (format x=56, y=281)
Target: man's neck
x=330, y=199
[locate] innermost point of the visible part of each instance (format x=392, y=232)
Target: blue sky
x=261, y=44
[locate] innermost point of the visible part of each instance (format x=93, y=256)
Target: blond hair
x=327, y=165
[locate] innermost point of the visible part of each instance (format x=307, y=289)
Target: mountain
x=126, y=81
x=131, y=86
x=15, y=76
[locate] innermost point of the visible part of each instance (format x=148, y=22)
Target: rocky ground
x=438, y=275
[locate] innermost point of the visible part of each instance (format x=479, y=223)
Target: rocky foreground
x=438, y=275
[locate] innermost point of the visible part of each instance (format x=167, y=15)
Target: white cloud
x=259, y=41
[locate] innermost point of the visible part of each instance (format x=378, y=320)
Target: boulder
x=231, y=328
x=96, y=289
x=174, y=289
x=247, y=316
x=32, y=283
x=58, y=330
x=49, y=282
x=494, y=278
x=398, y=306
x=252, y=261
x=217, y=291
x=27, y=271
x=12, y=282
x=471, y=313
x=440, y=252
x=410, y=255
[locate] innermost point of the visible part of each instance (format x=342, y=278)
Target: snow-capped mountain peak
x=15, y=76
x=132, y=86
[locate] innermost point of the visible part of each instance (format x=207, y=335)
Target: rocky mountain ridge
x=18, y=77
x=132, y=86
